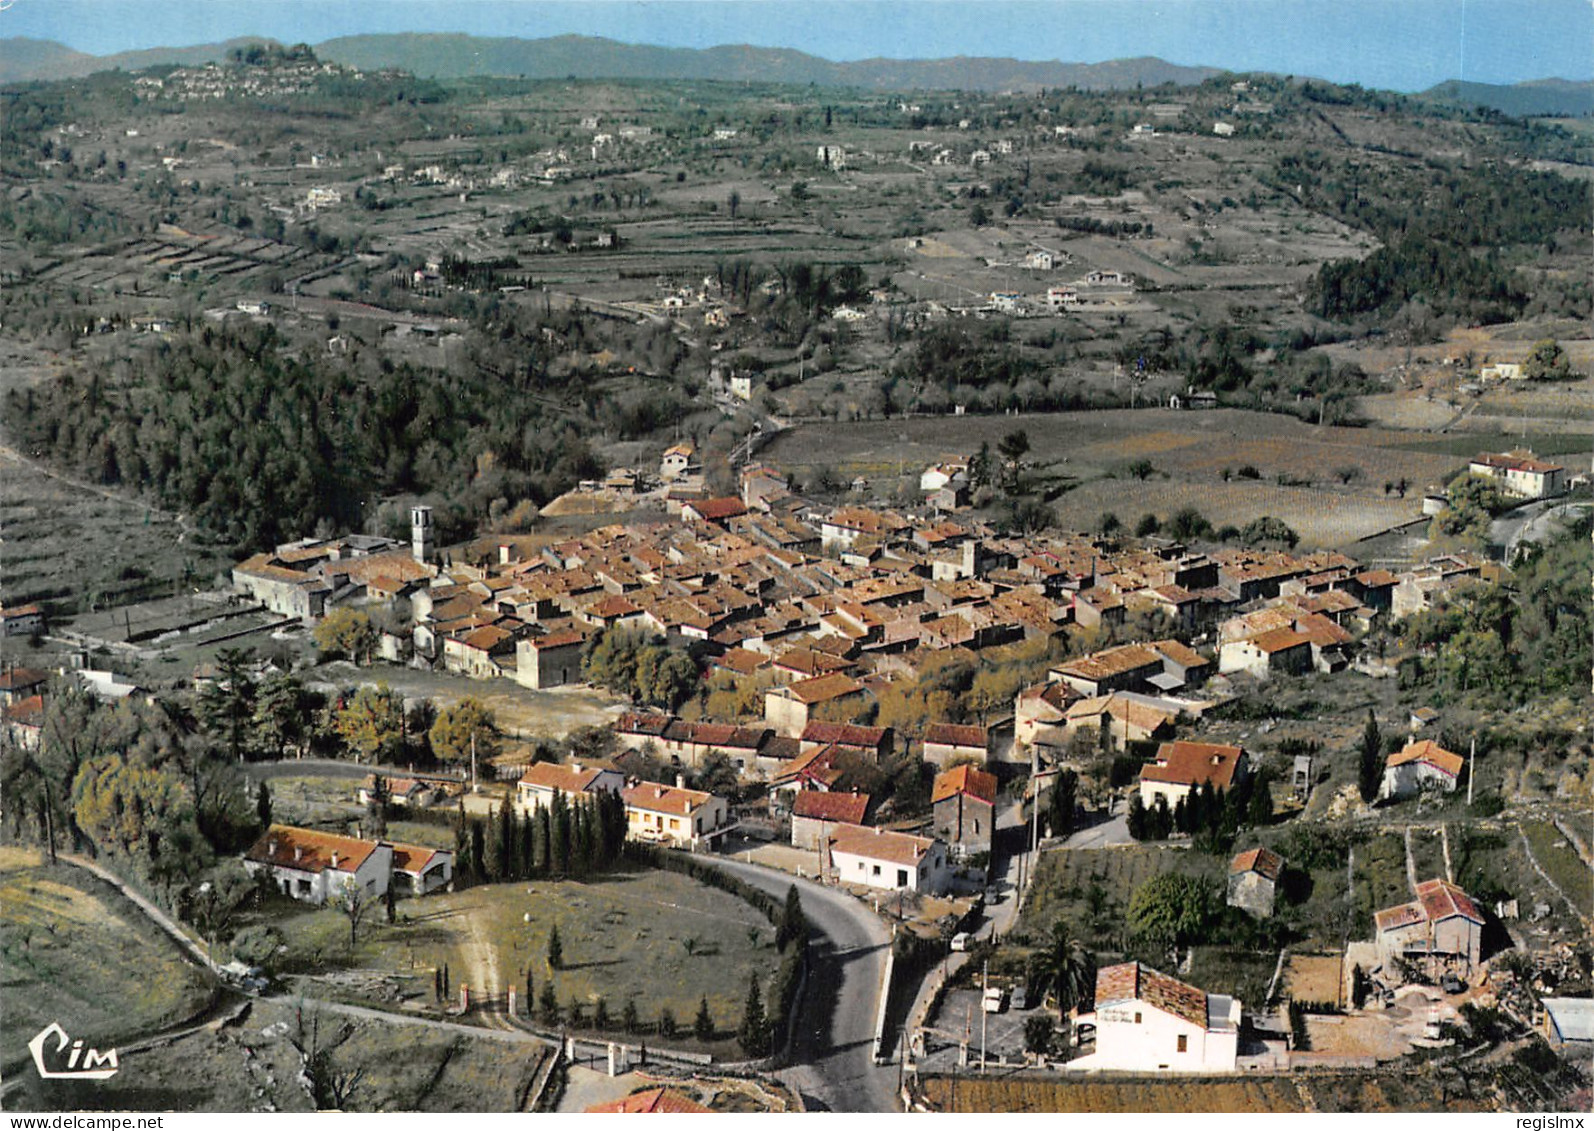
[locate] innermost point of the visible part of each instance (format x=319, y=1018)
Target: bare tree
x=331, y=1088
x=355, y=905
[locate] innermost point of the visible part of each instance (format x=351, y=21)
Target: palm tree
x=1066, y=968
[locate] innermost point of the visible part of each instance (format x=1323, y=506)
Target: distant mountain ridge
x=24, y=60
x=588, y=57
x=454, y=56
x=1540, y=98
x=449, y=55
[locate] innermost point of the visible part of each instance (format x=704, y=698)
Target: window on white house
x=1137, y=1017
x=1184, y=1043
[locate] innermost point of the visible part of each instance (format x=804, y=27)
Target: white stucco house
x=1420, y=766
x=314, y=866
x=1147, y=1021
x=877, y=858
x=672, y=815
x=540, y=782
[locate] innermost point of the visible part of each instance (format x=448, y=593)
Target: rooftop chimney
x=271, y=846
x=334, y=859
x=680, y=781
x=298, y=852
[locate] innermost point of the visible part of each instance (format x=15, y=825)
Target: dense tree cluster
x=262, y=446
x=1506, y=643
x=647, y=670
x=570, y=837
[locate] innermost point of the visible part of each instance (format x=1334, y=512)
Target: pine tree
x=667, y=1025
x=548, y=1005
x=628, y=1016
x=1370, y=769
x=600, y=1014
x=575, y=1012
x=703, y=1023
x=556, y=949
x=753, y=1035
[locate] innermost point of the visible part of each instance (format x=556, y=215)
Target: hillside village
x=541, y=586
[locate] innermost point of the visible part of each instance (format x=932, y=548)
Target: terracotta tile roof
x=1510, y=462
x=664, y=799
x=415, y=859
x=964, y=779
x=27, y=712
x=1258, y=860
x=566, y=779
x=847, y=808
x=653, y=1101
x=643, y=722
x=952, y=734
x=1131, y=981
x=740, y=660
x=1114, y=661
x=846, y=734
x=1193, y=763
x=20, y=679
x=1442, y=899
x=1180, y=654
x=560, y=639
x=1430, y=753
x=309, y=850
x=1436, y=901
x=809, y=662
x=712, y=510
x=613, y=605
x=880, y=844
x=1279, y=640
x=824, y=688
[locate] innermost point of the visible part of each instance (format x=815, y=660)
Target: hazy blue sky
x=1394, y=44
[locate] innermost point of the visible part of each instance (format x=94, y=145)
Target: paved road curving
x=834, y=1046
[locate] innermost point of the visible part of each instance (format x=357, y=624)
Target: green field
x=74, y=951
x=1091, y=888
x=657, y=938
x=1562, y=864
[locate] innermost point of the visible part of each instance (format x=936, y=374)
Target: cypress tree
x=263, y=804
x=1370, y=768
x=556, y=949
x=753, y=1035
x=559, y=834
x=548, y=1004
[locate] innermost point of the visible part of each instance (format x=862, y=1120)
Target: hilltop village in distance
x=678, y=595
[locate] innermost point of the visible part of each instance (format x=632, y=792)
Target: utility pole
x=473, y=786
x=985, y=1014
x=1472, y=765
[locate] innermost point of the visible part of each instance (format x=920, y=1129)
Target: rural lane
x=833, y=1050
